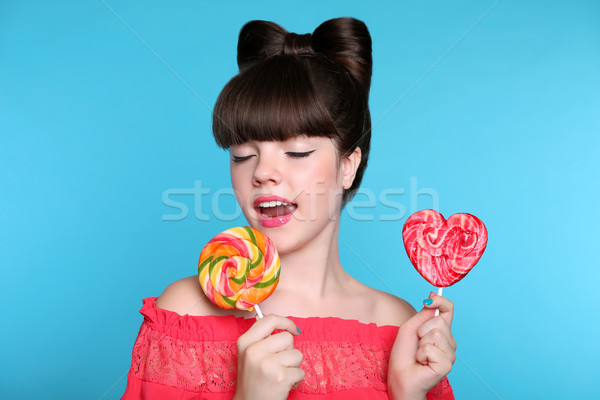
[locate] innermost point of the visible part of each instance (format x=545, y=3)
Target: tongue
x=277, y=211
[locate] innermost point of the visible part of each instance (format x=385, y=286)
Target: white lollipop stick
x=437, y=310
x=258, y=312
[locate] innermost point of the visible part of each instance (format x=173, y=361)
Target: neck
x=315, y=269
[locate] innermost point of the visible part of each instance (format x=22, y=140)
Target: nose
x=266, y=171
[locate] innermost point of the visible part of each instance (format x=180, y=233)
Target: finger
x=289, y=358
x=264, y=349
x=439, y=324
x=413, y=324
x=430, y=354
x=436, y=359
x=434, y=323
x=264, y=327
x=281, y=341
x=294, y=376
x=407, y=341
x=440, y=340
x=441, y=303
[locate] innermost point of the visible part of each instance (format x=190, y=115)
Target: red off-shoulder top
x=194, y=357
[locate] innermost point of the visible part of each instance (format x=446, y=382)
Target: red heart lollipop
x=444, y=251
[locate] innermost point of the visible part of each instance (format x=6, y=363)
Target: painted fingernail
x=428, y=302
x=298, y=329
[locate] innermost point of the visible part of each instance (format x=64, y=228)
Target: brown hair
x=290, y=85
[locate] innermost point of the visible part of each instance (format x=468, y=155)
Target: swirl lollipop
x=444, y=252
x=239, y=268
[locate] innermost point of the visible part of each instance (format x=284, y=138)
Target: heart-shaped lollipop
x=444, y=252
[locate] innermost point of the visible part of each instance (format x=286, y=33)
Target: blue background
x=484, y=107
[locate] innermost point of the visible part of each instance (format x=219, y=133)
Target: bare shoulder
x=185, y=296
x=377, y=306
x=391, y=310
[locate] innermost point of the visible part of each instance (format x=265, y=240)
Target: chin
x=285, y=242
x=285, y=247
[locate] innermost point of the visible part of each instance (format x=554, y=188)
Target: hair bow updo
x=298, y=44
x=289, y=85
x=344, y=41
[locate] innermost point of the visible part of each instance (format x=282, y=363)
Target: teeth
x=265, y=204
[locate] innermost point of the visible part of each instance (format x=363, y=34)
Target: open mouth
x=273, y=211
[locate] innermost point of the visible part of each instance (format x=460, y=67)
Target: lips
x=273, y=211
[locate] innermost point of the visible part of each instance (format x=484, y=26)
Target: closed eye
x=238, y=159
x=294, y=154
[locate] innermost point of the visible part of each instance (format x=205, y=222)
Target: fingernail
x=428, y=302
x=298, y=329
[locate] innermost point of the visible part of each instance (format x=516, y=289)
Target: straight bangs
x=271, y=100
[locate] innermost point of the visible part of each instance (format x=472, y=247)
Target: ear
x=349, y=166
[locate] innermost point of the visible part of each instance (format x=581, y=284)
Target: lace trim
x=194, y=366
x=212, y=366
x=336, y=366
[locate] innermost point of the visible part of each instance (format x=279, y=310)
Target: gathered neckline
x=151, y=301
x=222, y=327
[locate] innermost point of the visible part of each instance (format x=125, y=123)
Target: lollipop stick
x=258, y=312
x=437, y=310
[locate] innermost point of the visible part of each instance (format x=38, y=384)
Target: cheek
x=239, y=185
x=321, y=187
x=325, y=169
x=241, y=174
x=235, y=179
x=314, y=176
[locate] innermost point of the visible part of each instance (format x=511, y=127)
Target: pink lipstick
x=274, y=211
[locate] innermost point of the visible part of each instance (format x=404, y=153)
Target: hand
x=268, y=365
x=423, y=352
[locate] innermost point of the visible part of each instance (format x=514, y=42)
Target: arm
x=424, y=351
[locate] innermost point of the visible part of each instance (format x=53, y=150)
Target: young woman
x=297, y=123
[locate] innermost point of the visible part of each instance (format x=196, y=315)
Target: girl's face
x=290, y=190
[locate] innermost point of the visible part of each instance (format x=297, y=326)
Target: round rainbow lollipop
x=239, y=268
